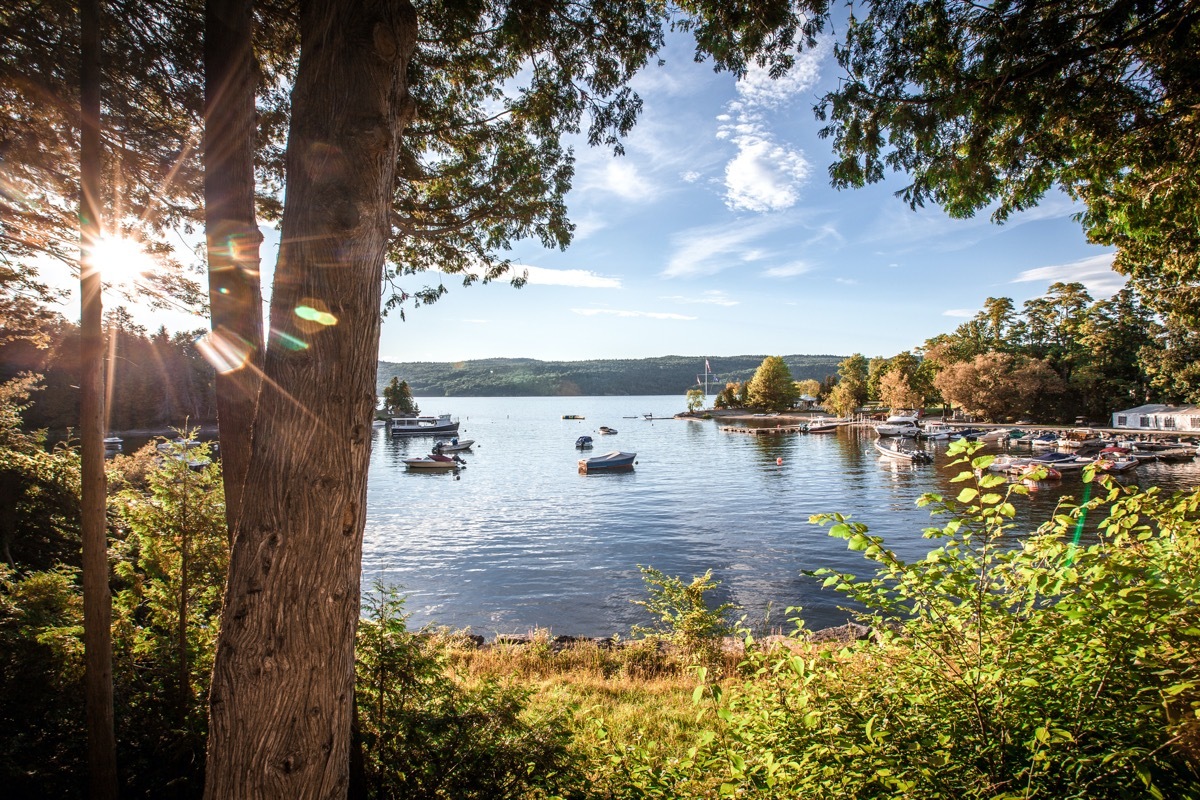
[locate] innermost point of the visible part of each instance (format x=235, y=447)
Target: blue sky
x=717, y=233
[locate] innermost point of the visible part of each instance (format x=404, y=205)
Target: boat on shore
x=898, y=453
x=609, y=462
x=422, y=426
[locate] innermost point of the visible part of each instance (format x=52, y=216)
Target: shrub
x=684, y=620
x=422, y=735
x=1004, y=668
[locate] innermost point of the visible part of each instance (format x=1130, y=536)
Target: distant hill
x=526, y=377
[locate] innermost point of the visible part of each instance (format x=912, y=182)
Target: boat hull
x=609, y=462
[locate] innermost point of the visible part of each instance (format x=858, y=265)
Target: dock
x=764, y=431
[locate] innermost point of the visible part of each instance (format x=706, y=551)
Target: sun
x=121, y=261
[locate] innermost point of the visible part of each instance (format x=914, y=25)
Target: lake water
x=519, y=539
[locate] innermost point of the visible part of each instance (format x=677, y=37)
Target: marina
x=539, y=545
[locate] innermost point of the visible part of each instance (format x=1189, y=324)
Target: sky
x=717, y=233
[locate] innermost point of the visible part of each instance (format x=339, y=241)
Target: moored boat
x=453, y=445
x=609, y=462
x=607, y=430
x=572, y=416
x=583, y=442
x=935, y=430
x=823, y=425
x=904, y=453
x=1060, y=461
x=422, y=426
x=434, y=462
x=899, y=425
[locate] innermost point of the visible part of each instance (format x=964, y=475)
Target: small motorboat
x=1044, y=441
x=113, y=443
x=904, y=454
x=453, y=445
x=935, y=430
x=1012, y=465
x=1115, y=463
x=823, y=425
x=609, y=462
x=435, y=462
x=607, y=430
x=583, y=443
x=1060, y=461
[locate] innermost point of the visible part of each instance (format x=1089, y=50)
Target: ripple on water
x=522, y=540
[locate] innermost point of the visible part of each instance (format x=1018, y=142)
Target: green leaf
x=967, y=495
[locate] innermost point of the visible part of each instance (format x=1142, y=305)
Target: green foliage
x=695, y=399
x=694, y=631
x=171, y=555
x=991, y=105
x=1108, y=355
x=42, y=739
x=423, y=735
x=772, y=387
x=1003, y=667
x=39, y=489
x=398, y=398
x=514, y=377
x=156, y=380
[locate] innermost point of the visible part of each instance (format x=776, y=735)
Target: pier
x=764, y=431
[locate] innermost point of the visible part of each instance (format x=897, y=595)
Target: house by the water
x=1159, y=417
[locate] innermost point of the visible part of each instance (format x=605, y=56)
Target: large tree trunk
x=233, y=238
x=283, y=681
x=97, y=600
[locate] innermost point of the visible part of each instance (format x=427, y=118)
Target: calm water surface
x=521, y=540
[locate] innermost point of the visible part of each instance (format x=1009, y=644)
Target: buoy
x=779, y=462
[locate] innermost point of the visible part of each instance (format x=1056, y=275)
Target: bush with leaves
x=1004, y=667
x=694, y=632
x=171, y=554
x=423, y=735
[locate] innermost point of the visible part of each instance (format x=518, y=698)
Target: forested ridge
x=515, y=377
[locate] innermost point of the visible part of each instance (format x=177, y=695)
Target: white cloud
x=766, y=174
x=1095, y=272
x=579, y=278
x=757, y=88
x=787, y=270
x=964, y=313
x=714, y=297
x=846, y=281
x=706, y=251
x=617, y=176
x=614, y=312
x=691, y=176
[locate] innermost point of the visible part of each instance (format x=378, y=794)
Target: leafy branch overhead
x=992, y=105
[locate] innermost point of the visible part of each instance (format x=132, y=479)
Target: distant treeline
x=155, y=380
x=515, y=377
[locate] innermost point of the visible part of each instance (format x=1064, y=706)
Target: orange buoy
x=779, y=462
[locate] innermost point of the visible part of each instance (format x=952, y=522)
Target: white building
x=1159, y=417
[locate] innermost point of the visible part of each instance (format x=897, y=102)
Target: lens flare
x=288, y=341
x=227, y=352
x=315, y=315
